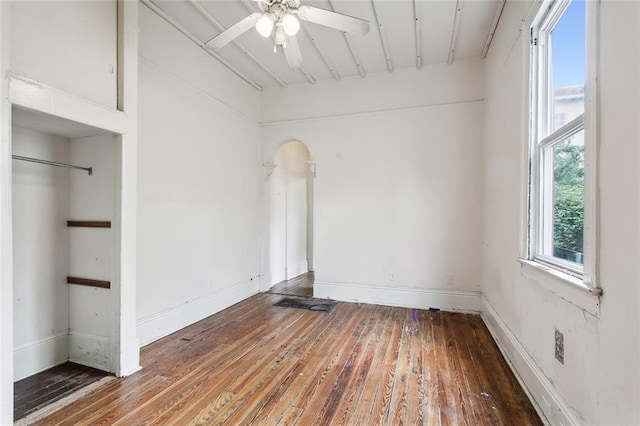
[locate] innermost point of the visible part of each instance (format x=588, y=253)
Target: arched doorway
x=291, y=195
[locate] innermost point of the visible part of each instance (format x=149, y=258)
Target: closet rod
x=53, y=163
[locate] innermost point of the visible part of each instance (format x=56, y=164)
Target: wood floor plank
x=357, y=364
x=430, y=405
x=481, y=410
x=306, y=368
x=195, y=376
x=455, y=348
x=415, y=373
x=447, y=389
x=48, y=386
x=366, y=367
x=128, y=397
x=325, y=379
x=351, y=376
x=380, y=405
x=245, y=382
x=301, y=286
x=361, y=411
x=289, y=363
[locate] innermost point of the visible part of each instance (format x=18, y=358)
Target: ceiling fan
x=280, y=18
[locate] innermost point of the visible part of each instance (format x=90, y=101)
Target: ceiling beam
x=416, y=21
x=246, y=51
x=320, y=50
x=493, y=28
x=307, y=75
x=248, y=5
x=352, y=49
x=454, y=32
x=383, y=39
x=194, y=39
x=355, y=56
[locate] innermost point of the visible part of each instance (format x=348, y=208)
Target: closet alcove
x=64, y=198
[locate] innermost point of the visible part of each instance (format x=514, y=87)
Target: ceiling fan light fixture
x=264, y=26
x=280, y=38
x=290, y=24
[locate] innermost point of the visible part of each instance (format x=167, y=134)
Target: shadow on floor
x=44, y=388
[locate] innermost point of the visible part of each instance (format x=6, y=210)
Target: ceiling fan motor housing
x=278, y=5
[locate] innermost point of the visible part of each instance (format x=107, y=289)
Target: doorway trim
x=271, y=169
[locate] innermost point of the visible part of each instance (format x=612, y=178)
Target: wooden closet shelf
x=89, y=223
x=88, y=282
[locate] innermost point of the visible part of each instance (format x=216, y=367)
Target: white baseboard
x=295, y=269
x=40, y=355
x=264, y=282
x=276, y=278
x=163, y=323
x=446, y=300
x=545, y=397
x=90, y=350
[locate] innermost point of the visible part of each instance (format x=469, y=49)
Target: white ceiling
x=253, y=58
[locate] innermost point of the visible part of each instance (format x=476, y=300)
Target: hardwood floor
x=48, y=386
x=255, y=363
x=301, y=286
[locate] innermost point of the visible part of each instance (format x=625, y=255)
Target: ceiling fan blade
x=335, y=20
x=233, y=31
x=292, y=53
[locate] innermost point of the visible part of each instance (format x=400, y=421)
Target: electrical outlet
x=450, y=279
x=392, y=276
x=559, y=346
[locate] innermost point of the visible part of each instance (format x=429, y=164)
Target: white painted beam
x=204, y=12
x=352, y=49
x=416, y=22
x=124, y=341
x=454, y=32
x=320, y=50
x=194, y=39
x=383, y=38
x=249, y=5
x=307, y=75
x=35, y=96
x=493, y=28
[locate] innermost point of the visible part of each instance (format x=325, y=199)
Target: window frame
x=539, y=28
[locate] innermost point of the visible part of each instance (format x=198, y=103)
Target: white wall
x=440, y=84
x=70, y=45
x=600, y=379
x=91, y=251
x=41, y=253
x=397, y=195
x=199, y=183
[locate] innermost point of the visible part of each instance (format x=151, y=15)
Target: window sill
x=565, y=286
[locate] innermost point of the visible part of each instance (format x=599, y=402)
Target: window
x=560, y=137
